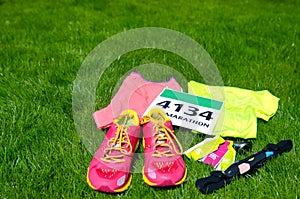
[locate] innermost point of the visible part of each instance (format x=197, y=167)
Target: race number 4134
x=189, y=111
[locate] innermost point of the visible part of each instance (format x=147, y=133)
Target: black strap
x=249, y=165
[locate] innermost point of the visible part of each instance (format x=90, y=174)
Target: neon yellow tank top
x=241, y=108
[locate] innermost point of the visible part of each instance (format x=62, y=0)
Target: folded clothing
x=242, y=107
x=135, y=93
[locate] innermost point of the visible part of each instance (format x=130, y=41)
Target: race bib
x=189, y=111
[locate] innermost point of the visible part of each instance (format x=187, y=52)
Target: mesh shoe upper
x=109, y=170
x=164, y=165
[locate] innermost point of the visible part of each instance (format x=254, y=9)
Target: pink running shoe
x=109, y=170
x=164, y=165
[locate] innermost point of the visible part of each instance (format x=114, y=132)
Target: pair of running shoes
x=109, y=170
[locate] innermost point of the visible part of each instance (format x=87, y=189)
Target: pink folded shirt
x=136, y=94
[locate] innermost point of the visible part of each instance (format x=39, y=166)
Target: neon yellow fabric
x=241, y=108
x=204, y=148
x=228, y=158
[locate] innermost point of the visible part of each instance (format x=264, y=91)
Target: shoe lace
x=164, y=138
x=118, y=144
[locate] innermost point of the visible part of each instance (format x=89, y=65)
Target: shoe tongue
x=126, y=120
x=161, y=135
x=117, y=146
x=157, y=117
x=115, y=152
x=160, y=142
x=164, y=141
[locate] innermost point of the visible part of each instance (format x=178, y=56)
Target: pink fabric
x=215, y=157
x=136, y=94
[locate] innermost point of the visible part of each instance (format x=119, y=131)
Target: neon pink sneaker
x=164, y=165
x=109, y=170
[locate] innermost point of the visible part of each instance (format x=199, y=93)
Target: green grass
x=255, y=45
